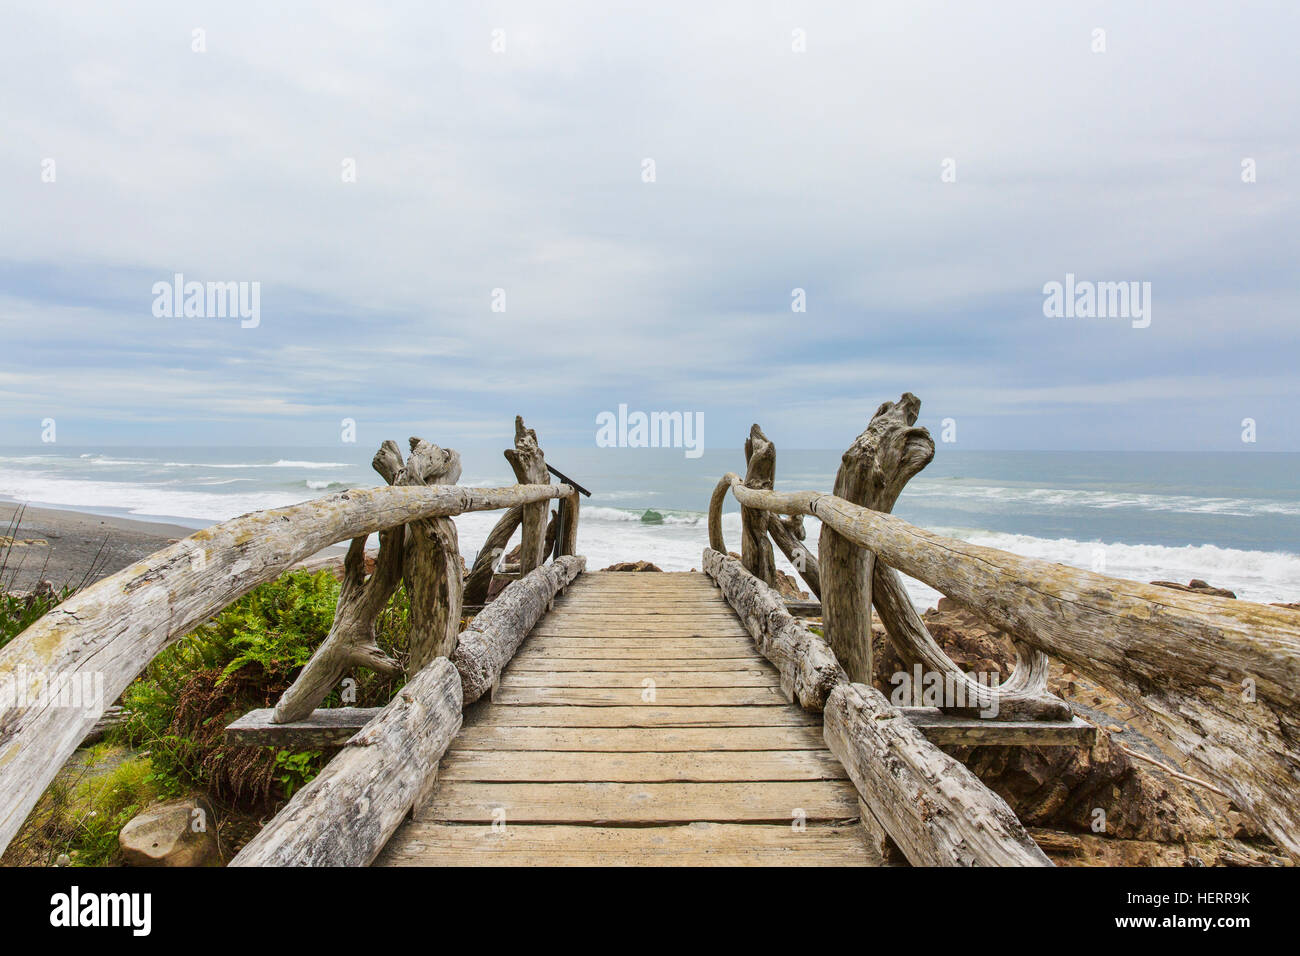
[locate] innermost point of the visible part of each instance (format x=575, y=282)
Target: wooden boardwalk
x=637, y=725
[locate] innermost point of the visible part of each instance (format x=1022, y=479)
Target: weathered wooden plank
x=806, y=663
x=623, y=697
x=946, y=730
x=654, y=767
x=713, y=665
x=332, y=727
x=662, y=677
x=652, y=716
x=638, y=739
x=641, y=803
x=935, y=809
x=693, y=844
x=640, y=650
x=112, y=629
x=486, y=646
x=346, y=815
x=325, y=727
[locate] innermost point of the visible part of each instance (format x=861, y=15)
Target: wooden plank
x=713, y=665
x=652, y=716
x=653, y=614
x=944, y=730
x=692, y=628
x=693, y=844
x=627, y=767
x=622, y=697
x=641, y=803
x=325, y=727
x=638, y=739
x=661, y=676
x=332, y=727
x=626, y=650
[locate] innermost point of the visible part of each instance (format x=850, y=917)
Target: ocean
x=1230, y=518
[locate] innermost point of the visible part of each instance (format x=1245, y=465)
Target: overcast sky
x=774, y=170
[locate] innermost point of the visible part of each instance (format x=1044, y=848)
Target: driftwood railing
x=108, y=633
x=1220, y=677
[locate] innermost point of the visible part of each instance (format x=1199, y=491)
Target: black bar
x=565, y=479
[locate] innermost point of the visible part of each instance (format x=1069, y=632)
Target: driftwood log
x=346, y=815
x=936, y=810
x=492, y=638
x=431, y=569
x=808, y=668
x=351, y=641
x=1220, y=677
x=529, y=465
x=872, y=473
x=760, y=474
x=480, y=576
x=567, y=541
x=885, y=457
x=115, y=627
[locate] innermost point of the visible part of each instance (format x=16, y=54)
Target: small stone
x=165, y=835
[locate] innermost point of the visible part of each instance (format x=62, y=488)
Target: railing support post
x=872, y=473
x=529, y=465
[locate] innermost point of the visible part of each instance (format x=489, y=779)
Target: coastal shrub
x=241, y=660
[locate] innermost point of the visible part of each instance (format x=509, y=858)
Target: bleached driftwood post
x=529, y=466
x=432, y=566
x=760, y=474
x=351, y=641
x=872, y=474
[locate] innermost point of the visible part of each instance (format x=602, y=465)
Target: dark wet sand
x=64, y=547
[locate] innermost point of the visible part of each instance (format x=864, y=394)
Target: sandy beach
x=65, y=547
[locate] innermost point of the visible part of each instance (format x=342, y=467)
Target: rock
x=1294, y=606
x=1197, y=586
x=788, y=587
x=633, y=566
x=168, y=834
x=652, y=517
